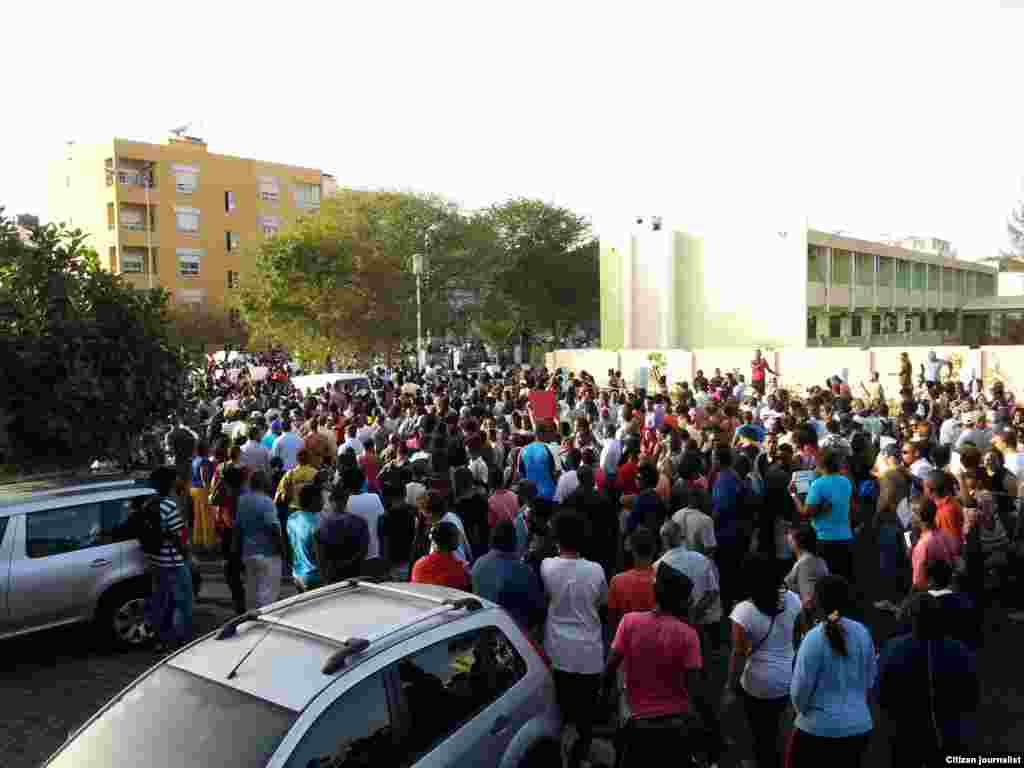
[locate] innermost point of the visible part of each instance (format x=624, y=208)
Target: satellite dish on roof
x=180, y=131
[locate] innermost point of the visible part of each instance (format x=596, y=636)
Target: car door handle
x=500, y=725
x=99, y=562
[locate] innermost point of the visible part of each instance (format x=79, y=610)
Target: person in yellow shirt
x=286, y=500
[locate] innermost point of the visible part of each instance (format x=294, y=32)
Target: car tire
x=543, y=754
x=121, y=618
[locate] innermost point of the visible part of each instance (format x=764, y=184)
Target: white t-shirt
x=698, y=529
x=368, y=507
x=572, y=633
x=355, y=444
x=255, y=456
x=702, y=572
x=286, y=448
x=769, y=671
x=567, y=483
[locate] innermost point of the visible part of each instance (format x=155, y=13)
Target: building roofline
x=818, y=237
x=120, y=139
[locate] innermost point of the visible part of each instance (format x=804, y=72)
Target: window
x=948, y=280
x=841, y=262
x=924, y=321
x=270, y=225
x=918, y=277
x=857, y=325
x=908, y=324
x=891, y=323
x=133, y=260
x=835, y=327
x=193, y=732
x=307, y=195
x=232, y=279
x=234, y=317
x=232, y=241
x=817, y=264
x=188, y=261
x=229, y=201
x=187, y=219
x=436, y=685
x=885, y=271
x=112, y=257
x=865, y=271
x=110, y=216
x=269, y=188
x=812, y=327
x=876, y=325
x=58, y=531
x=934, y=277
x=3, y=529
x=133, y=218
x=186, y=178
x=354, y=731
x=902, y=274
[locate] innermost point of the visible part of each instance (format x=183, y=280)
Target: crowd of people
x=639, y=535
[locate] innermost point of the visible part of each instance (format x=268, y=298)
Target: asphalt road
x=53, y=681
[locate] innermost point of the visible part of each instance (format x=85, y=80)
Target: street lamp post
x=150, y=266
x=417, y=269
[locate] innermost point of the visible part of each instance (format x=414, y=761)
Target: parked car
x=352, y=674
x=67, y=555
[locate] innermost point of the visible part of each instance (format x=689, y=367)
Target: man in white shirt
x=950, y=430
x=351, y=441
x=286, y=447
x=255, y=456
x=697, y=529
x=611, y=454
x=367, y=506
x=932, y=367
x=706, y=608
x=569, y=481
x=1006, y=441
x=919, y=466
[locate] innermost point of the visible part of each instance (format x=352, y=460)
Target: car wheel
x=543, y=754
x=123, y=618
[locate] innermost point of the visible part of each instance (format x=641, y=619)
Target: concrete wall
x=799, y=368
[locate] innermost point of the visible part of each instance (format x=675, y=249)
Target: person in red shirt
x=625, y=478
x=949, y=517
x=660, y=654
x=370, y=465
x=441, y=567
x=633, y=590
x=758, y=366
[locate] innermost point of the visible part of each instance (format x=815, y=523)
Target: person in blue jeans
x=835, y=669
x=170, y=606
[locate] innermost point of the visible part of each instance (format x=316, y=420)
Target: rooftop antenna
x=180, y=130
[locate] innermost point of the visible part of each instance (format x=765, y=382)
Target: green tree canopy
x=87, y=361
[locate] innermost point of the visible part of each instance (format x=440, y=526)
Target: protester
x=441, y=567
x=302, y=529
x=505, y=579
x=259, y=543
x=168, y=560
x=633, y=590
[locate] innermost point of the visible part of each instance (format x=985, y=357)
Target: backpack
x=149, y=527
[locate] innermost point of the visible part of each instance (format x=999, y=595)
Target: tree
x=341, y=281
x=547, y=266
x=194, y=329
x=87, y=362
x=1015, y=232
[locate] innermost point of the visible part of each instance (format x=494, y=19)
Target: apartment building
x=176, y=215
x=778, y=283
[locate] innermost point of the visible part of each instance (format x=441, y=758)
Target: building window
x=885, y=271
x=234, y=317
x=270, y=225
x=817, y=264
x=133, y=218
x=841, y=262
x=110, y=216
x=270, y=189
x=876, y=325
x=187, y=219
x=232, y=241
x=908, y=324
x=307, y=195
x=232, y=279
x=188, y=261
x=934, y=278
x=857, y=326
x=891, y=323
x=186, y=178
x=835, y=327
x=133, y=261
x=949, y=280
x=924, y=321
x=229, y=201
x=902, y=274
x=918, y=278
x=865, y=271
x=812, y=327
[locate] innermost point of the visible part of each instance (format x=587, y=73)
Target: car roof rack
x=348, y=646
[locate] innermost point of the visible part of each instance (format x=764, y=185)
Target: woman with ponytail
x=927, y=687
x=835, y=669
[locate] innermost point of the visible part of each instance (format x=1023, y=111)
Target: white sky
x=894, y=116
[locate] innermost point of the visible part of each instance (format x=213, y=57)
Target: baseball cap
x=277, y=426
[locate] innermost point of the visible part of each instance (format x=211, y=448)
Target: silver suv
x=353, y=674
x=67, y=555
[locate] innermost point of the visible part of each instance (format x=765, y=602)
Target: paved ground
x=54, y=681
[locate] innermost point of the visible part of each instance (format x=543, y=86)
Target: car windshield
x=174, y=719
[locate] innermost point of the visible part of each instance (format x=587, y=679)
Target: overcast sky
x=896, y=117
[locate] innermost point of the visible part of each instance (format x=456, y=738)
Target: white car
x=352, y=674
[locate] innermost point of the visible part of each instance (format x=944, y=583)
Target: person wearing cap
x=974, y=431
x=276, y=430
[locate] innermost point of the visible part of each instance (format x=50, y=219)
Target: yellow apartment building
x=176, y=215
